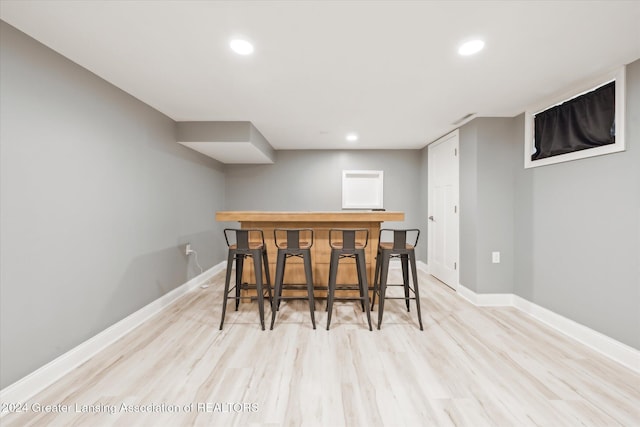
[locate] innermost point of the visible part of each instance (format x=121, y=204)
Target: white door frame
x=430, y=235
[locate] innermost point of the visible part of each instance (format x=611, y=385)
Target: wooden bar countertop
x=319, y=216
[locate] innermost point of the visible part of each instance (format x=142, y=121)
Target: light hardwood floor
x=469, y=367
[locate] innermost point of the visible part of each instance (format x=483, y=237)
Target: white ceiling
x=387, y=70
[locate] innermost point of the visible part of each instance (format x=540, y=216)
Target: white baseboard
x=607, y=346
x=423, y=266
x=38, y=380
x=485, y=300
x=394, y=263
x=621, y=353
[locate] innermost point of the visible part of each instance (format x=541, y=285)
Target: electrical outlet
x=495, y=257
x=187, y=249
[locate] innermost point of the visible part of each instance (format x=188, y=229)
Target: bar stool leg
x=416, y=290
x=383, y=285
x=308, y=274
x=226, y=286
x=356, y=258
x=364, y=285
x=239, y=267
x=267, y=275
x=404, y=259
x=257, y=267
x=277, y=292
x=376, y=288
x=284, y=264
x=360, y=285
x=333, y=271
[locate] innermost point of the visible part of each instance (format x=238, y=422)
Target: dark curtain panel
x=586, y=121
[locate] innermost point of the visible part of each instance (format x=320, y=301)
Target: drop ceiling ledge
x=227, y=142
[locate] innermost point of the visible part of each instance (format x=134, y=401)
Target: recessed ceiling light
x=241, y=47
x=470, y=47
x=352, y=137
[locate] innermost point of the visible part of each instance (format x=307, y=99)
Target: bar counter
x=321, y=223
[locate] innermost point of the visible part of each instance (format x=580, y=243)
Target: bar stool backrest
x=402, y=238
x=293, y=238
x=243, y=239
x=342, y=238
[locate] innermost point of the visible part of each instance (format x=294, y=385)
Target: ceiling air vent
x=464, y=119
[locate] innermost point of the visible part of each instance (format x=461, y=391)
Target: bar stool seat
x=389, y=245
x=242, y=244
x=401, y=248
x=339, y=245
x=302, y=244
x=252, y=245
x=348, y=247
x=293, y=242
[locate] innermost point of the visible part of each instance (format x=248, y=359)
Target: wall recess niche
x=362, y=189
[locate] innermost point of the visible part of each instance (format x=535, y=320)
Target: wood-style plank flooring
x=469, y=367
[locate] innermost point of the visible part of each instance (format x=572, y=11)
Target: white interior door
x=443, y=209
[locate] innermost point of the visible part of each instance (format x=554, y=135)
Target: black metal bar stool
x=245, y=243
x=401, y=248
x=289, y=244
x=348, y=243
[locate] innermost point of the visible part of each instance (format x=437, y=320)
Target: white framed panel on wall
x=362, y=189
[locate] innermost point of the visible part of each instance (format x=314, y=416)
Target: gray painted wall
x=96, y=200
x=423, y=248
x=311, y=180
x=487, y=152
x=569, y=233
x=496, y=192
x=468, y=178
x=578, y=233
